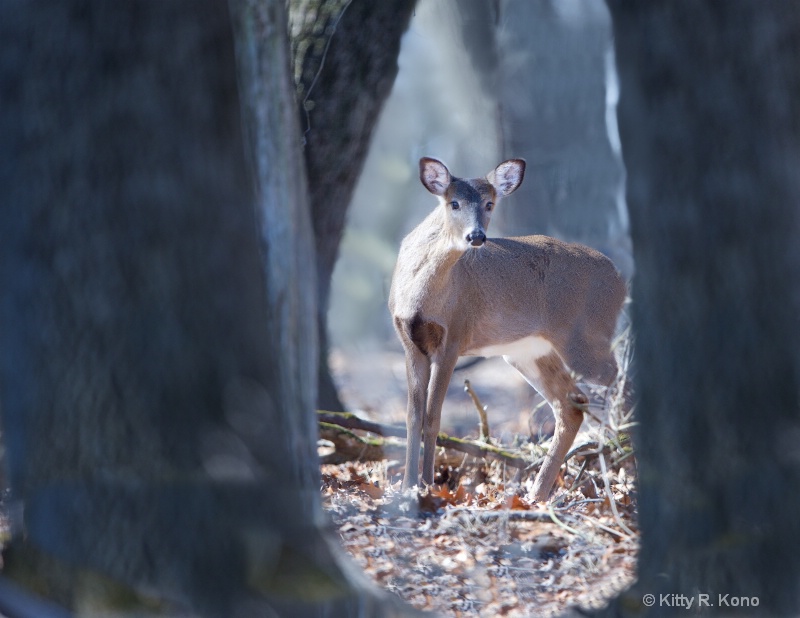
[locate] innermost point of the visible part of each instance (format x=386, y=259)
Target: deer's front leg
x=441, y=371
x=418, y=371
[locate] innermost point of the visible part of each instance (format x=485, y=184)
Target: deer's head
x=469, y=203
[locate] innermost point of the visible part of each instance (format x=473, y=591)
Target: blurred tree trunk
x=345, y=62
x=156, y=365
x=552, y=80
x=711, y=138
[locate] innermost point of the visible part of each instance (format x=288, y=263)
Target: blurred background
x=480, y=82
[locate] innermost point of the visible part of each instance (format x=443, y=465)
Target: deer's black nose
x=476, y=238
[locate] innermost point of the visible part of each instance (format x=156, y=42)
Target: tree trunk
x=711, y=139
x=553, y=83
x=282, y=211
x=345, y=59
x=156, y=365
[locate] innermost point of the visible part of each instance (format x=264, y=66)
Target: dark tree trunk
x=156, y=365
x=345, y=59
x=711, y=139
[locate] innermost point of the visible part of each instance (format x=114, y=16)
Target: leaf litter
x=476, y=544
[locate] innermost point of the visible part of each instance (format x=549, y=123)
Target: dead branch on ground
x=337, y=428
x=351, y=421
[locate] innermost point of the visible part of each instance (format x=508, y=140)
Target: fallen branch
x=351, y=421
x=483, y=450
x=352, y=447
x=336, y=427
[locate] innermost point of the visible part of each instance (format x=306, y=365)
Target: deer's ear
x=434, y=175
x=507, y=176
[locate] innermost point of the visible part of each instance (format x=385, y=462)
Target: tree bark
x=345, y=62
x=711, y=139
x=156, y=366
x=282, y=212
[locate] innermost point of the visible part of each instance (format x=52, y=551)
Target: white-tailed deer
x=548, y=307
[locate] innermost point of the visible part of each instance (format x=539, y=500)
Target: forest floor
x=475, y=543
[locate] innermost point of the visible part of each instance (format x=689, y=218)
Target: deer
x=548, y=307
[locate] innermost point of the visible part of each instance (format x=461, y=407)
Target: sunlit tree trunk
x=711, y=140
x=156, y=292
x=555, y=95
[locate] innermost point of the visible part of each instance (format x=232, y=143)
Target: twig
x=560, y=523
x=611, y=499
x=624, y=457
x=584, y=450
x=510, y=514
x=603, y=527
x=484, y=421
x=590, y=478
x=594, y=449
x=580, y=474
x=572, y=505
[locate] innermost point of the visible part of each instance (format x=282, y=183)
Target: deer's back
x=541, y=285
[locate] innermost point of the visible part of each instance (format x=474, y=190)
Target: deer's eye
x=454, y=205
x=489, y=205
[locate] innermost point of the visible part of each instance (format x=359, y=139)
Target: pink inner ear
x=435, y=177
x=432, y=176
x=509, y=184
x=507, y=177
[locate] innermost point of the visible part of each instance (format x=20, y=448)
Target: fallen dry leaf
x=373, y=491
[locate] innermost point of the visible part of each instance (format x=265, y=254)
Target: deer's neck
x=425, y=266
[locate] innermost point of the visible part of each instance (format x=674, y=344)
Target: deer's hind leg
x=548, y=374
